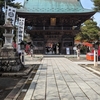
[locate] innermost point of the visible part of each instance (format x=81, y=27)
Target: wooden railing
x=51, y=28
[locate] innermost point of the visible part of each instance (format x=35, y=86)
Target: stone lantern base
x=10, y=60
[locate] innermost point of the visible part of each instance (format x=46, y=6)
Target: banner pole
x=5, y=10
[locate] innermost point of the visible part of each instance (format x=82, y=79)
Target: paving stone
x=81, y=98
x=91, y=94
x=77, y=92
x=66, y=96
x=52, y=98
x=61, y=79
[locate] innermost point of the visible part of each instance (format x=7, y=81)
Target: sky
x=88, y=4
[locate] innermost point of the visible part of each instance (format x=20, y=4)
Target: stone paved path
x=61, y=79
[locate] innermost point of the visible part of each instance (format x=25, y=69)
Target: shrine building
x=53, y=24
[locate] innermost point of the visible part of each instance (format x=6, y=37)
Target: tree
x=89, y=31
x=97, y=5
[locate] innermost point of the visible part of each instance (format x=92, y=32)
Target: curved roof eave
x=53, y=7
x=54, y=12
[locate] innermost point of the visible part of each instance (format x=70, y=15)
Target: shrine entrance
x=52, y=48
x=52, y=43
x=52, y=28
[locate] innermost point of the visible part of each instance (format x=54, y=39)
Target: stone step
x=53, y=56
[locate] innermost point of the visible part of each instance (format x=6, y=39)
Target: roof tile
x=53, y=6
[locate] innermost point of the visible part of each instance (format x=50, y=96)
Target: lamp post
x=22, y=47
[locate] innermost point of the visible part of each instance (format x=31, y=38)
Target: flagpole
x=5, y=10
x=5, y=21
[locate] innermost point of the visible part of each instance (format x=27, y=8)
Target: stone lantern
x=7, y=50
x=8, y=34
x=9, y=58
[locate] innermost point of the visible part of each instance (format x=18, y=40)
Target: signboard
x=74, y=48
x=11, y=13
x=67, y=51
x=21, y=24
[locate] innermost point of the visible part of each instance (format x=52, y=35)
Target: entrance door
x=52, y=48
x=52, y=42
x=48, y=48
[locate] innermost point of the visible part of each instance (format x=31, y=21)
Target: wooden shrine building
x=53, y=24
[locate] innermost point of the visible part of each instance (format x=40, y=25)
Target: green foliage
x=89, y=31
x=83, y=50
x=17, y=5
x=97, y=5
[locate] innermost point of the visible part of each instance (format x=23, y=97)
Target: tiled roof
x=53, y=6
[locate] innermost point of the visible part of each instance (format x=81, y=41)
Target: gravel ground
x=6, y=85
